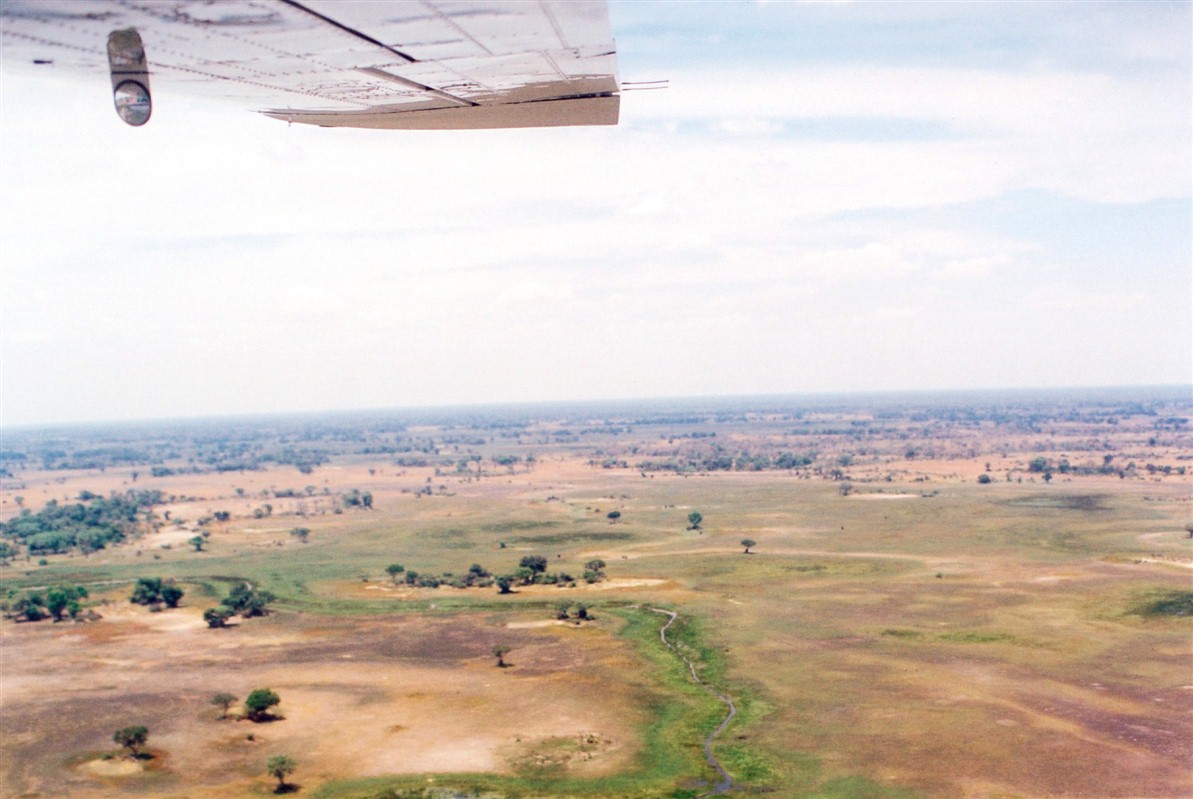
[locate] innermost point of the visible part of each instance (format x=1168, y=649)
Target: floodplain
x=943, y=597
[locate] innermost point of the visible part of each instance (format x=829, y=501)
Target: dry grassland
x=923, y=636
x=361, y=696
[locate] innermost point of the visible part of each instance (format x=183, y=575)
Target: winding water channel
x=726, y=782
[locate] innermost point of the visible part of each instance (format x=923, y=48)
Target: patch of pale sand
x=412, y=720
x=526, y=625
x=358, y=588
x=121, y=767
x=168, y=620
x=1180, y=564
x=170, y=536
x=603, y=585
x=625, y=582
x=1181, y=535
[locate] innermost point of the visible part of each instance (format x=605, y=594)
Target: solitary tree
x=217, y=617
x=694, y=520
x=223, y=701
x=301, y=533
x=500, y=652
x=197, y=542
x=171, y=595
x=503, y=583
x=394, y=570
x=280, y=766
x=561, y=610
x=747, y=543
x=846, y=488
x=131, y=738
x=258, y=702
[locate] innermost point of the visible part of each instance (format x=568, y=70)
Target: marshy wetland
x=945, y=597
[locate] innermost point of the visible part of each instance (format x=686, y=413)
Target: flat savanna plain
x=897, y=630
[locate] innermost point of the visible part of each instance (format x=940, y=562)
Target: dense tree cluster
x=532, y=570
x=477, y=576
x=63, y=527
x=155, y=592
x=563, y=611
x=358, y=499
x=247, y=601
x=243, y=599
x=57, y=602
x=720, y=460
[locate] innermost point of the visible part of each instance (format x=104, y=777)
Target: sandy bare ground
x=360, y=697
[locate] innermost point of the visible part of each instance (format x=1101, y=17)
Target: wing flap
x=536, y=114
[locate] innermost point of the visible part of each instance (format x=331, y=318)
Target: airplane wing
x=410, y=64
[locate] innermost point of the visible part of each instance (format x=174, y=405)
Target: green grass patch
x=974, y=637
x=898, y=632
x=745, y=763
x=519, y=526
x=1168, y=603
x=569, y=538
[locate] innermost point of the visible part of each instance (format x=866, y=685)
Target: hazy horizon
x=751, y=402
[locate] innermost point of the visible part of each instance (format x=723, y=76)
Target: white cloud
x=215, y=261
x=1123, y=138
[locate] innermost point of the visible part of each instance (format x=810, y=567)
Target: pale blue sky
x=830, y=197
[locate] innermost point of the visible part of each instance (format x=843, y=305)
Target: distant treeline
x=441, y=437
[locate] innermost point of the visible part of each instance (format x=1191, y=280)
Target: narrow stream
x=726, y=781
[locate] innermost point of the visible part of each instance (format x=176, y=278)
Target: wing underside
x=419, y=64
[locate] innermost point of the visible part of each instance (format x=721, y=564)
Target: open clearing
x=362, y=696
x=966, y=641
